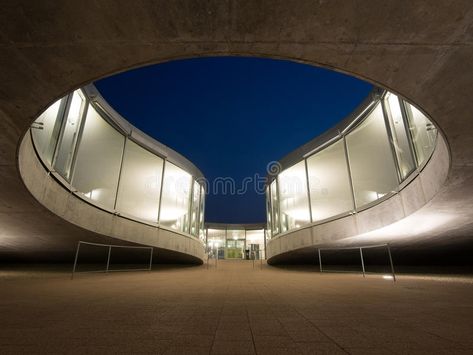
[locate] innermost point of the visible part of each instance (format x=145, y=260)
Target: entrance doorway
x=234, y=241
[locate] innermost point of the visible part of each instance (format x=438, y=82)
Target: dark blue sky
x=231, y=116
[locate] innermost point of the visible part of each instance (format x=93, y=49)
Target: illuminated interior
x=111, y=168
x=236, y=241
x=371, y=156
x=367, y=160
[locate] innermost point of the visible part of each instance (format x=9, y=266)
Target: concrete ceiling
x=421, y=50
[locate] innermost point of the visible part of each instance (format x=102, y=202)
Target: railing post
x=151, y=259
x=320, y=260
x=108, y=258
x=362, y=261
x=391, y=262
x=75, y=260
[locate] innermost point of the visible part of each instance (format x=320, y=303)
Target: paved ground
x=233, y=309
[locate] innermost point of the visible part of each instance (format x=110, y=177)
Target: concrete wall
x=55, y=197
x=418, y=49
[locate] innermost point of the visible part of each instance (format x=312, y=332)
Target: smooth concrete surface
x=55, y=197
x=233, y=309
x=420, y=50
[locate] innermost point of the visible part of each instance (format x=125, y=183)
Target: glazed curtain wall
x=236, y=243
x=98, y=162
x=387, y=144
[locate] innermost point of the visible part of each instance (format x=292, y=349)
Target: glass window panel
x=175, y=200
x=371, y=160
x=202, y=214
x=274, y=207
x=423, y=133
x=235, y=234
x=98, y=160
x=268, y=212
x=195, y=209
x=69, y=135
x=216, y=242
x=329, y=182
x=140, y=183
x=235, y=247
x=255, y=243
x=45, y=136
x=294, y=202
x=399, y=135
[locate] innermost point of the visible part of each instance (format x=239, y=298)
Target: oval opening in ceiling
x=230, y=116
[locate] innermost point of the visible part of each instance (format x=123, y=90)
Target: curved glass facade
x=100, y=162
x=365, y=162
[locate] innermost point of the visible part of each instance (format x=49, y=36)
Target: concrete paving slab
x=233, y=309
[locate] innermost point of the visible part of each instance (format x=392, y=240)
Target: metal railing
x=208, y=259
x=253, y=257
x=107, y=269
x=253, y=260
x=393, y=274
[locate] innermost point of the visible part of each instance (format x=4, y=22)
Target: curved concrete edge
x=412, y=198
x=52, y=195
